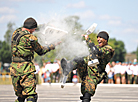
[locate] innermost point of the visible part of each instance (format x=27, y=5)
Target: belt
x=20, y=59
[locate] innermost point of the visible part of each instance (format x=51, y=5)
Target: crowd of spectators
x=117, y=72
x=122, y=73
x=50, y=72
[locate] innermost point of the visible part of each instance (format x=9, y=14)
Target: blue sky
x=118, y=17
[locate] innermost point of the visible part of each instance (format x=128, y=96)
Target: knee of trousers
x=89, y=87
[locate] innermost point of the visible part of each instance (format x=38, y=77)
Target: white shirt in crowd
x=135, y=69
x=129, y=69
x=55, y=67
x=107, y=69
x=43, y=70
x=123, y=69
x=37, y=68
x=117, y=69
x=48, y=67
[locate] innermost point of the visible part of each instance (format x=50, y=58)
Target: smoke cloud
x=72, y=44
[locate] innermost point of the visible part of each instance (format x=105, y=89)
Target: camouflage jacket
x=27, y=45
x=104, y=58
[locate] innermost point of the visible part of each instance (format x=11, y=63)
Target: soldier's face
x=101, y=41
x=32, y=30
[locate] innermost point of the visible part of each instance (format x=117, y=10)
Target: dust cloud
x=72, y=44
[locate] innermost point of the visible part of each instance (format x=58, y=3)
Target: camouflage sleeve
x=40, y=50
x=89, y=41
x=104, y=58
x=106, y=53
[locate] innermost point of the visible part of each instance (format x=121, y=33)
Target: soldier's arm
x=106, y=53
x=88, y=40
x=40, y=50
x=100, y=52
x=90, y=44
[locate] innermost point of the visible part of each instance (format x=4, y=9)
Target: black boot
x=71, y=65
x=67, y=66
x=19, y=99
x=32, y=99
x=86, y=97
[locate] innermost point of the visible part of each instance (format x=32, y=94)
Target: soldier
x=90, y=73
x=23, y=46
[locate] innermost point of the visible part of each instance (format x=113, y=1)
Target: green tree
x=93, y=37
x=74, y=22
x=5, y=49
x=9, y=32
x=5, y=53
x=120, y=50
x=137, y=53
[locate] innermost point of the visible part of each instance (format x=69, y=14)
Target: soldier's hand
x=83, y=35
x=86, y=36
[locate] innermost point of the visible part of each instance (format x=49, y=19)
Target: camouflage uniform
x=91, y=76
x=22, y=68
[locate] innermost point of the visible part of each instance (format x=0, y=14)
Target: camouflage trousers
x=24, y=86
x=90, y=76
x=89, y=81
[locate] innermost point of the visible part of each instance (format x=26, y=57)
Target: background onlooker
x=43, y=70
x=75, y=77
x=55, y=71
x=107, y=69
x=111, y=75
x=117, y=68
x=129, y=73
x=47, y=78
x=37, y=72
x=123, y=71
x=135, y=72
x=48, y=69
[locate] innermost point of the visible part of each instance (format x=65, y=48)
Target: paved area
x=71, y=93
